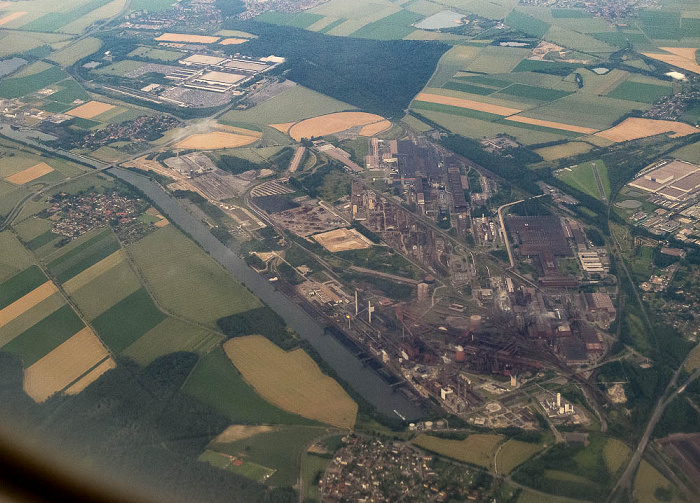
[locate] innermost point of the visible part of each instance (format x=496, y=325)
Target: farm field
x=551, y=124
x=214, y=141
x=330, y=124
x=15, y=259
x=477, y=449
x=682, y=57
x=21, y=284
x=152, y=53
x=466, y=103
x=217, y=383
x=192, y=39
x=102, y=289
x=582, y=177
x=26, y=302
x=295, y=104
x=279, y=449
x=45, y=335
x=19, y=86
x=634, y=128
x=74, y=52
x=615, y=453
x=170, y=336
x=186, y=281
x=639, y=91
x=291, y=380
x=647, y=481
x=127, y=320
x=694, y=360
x=565, y=150
x=64, y=365
x=483, y=128
x=513, y=453
x=90, y=109
x=84, y=253
x=30, y=174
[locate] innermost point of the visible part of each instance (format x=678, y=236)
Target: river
x=361, y=378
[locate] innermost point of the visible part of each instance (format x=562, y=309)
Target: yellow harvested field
x=215, y=140
x=91, y=377
x=90, y=109
x=284, y=128
x=469, y=104
x=11, y=17
x=182, y=37
x=162, y=222
x=30, y=174
x=634, y=128
x=77, y=282
x=238, y=432
x=553, y=125
x=63, y=365
x=233, y=41
x=27, y=302
x=682, y=57
x=342, y=240
x=291, y=381
x=239, y=130
x=377, y=127
x=331, y=123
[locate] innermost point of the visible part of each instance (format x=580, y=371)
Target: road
x=624, y=484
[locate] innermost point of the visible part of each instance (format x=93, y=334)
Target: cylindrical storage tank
x=460, y=356
x=474, y=322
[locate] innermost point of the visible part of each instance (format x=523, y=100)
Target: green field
x=647, y=481
x=477, y=449
x=20, y=285
x=170, y=336
x=127, y=320
x=292, y=105
x=14, y=258
x=31, y=317
x=620, y=39
x=393, y=27
x=21, y=86
x=69, y=91
x=217, y=383
x=536, y=93
x=39, y=340
x=420, y=106
x=661, y=24
x=186, y=281
x=513, y=454
x=527, y=24
x=120, y=68
x=469, y=88
x=296, y=20
x=529, y=65
x=637, y=91
x=248, y=469
x=79, y=258
x=53, y=21
x=582, y=177
x=105, y=290
x=76, y=51
x=615, y=453
x=280, y=449
x=152, y=53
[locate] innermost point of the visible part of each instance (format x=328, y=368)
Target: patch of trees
x=366, y=232
x=230, y=8
x=263, y=321
x=376, y=76
x=679, y=417
x=512, y=168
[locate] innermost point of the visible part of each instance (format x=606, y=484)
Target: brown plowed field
x=182, y=37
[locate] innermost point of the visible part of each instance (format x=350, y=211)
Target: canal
x=361, y=378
